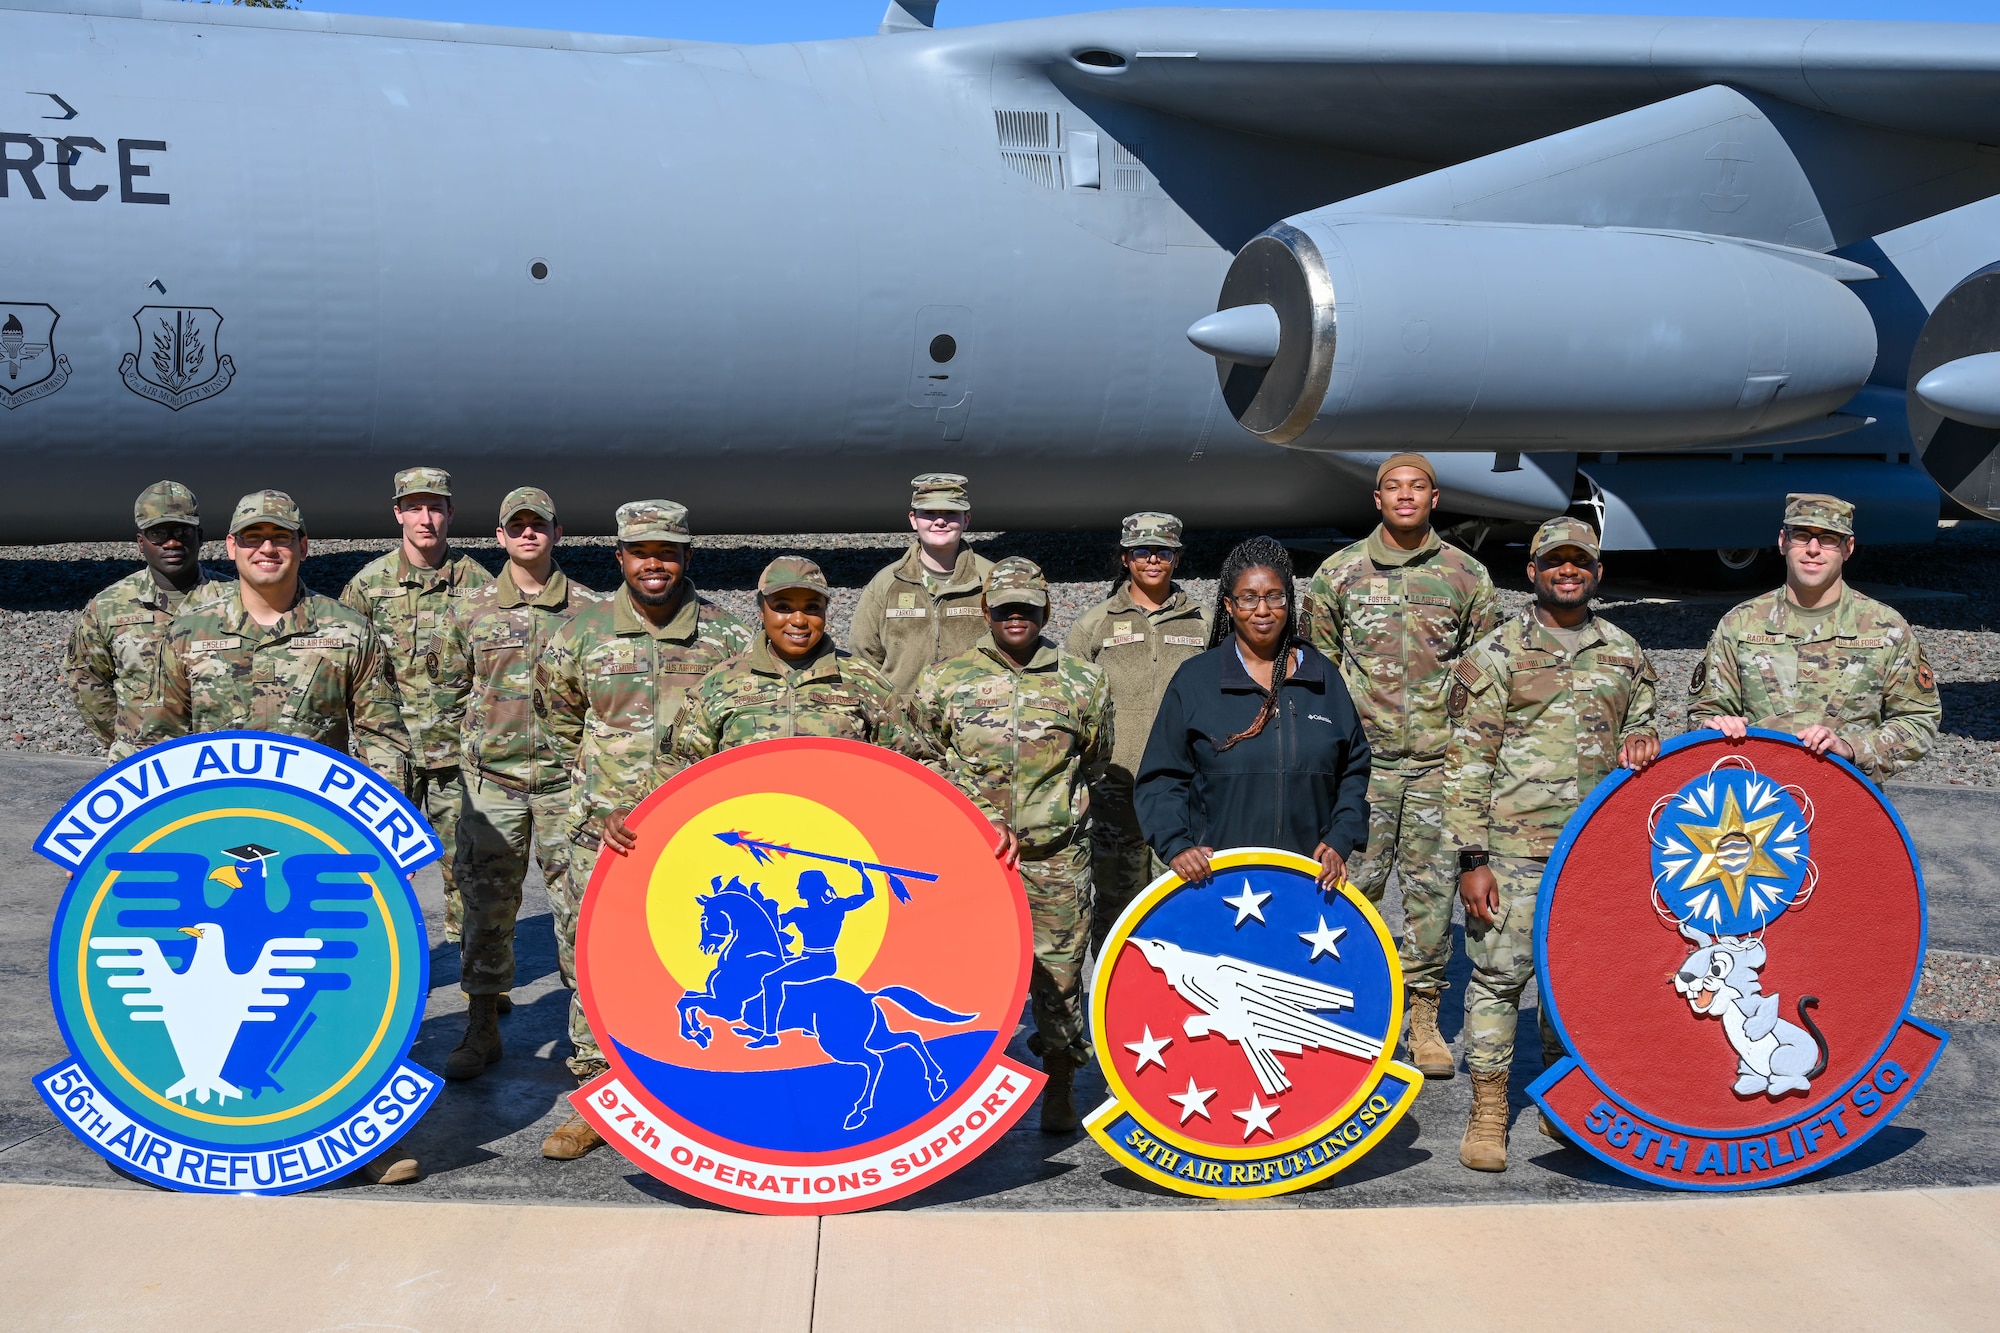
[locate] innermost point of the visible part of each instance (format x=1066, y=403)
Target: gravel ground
x=1959, y=988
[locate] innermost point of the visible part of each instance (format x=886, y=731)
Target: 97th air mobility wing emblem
x=1729, y=943
x=239, y=964
x=1246, y=1029
x=804, y=980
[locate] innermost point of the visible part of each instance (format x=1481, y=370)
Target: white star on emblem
x=1194, y=1102
x=1256, y=1116
x=1323, y=940
x=1248, y=904
x=1148, y=1050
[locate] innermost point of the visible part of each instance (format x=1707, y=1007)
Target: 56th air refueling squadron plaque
x=1247, y=1028
x=804, y=979
x=239, y=964
x=1729, y=943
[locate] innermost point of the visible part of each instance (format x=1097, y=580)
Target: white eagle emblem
x=1266, y=1012
x=206, y=1005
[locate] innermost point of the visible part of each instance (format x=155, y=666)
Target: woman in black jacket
x=1256, y=743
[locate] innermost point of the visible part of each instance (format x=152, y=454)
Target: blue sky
x=806, y=20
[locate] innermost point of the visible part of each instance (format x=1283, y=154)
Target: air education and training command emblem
x=804, y=980
x=1729, y=943
x=1246, y=1029
x=239, y=964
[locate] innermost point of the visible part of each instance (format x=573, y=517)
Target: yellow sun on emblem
x=1732, y=851
x=695, y=858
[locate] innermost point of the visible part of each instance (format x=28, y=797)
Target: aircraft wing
x=1445, y=87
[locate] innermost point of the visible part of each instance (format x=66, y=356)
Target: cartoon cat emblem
x=1719, y=980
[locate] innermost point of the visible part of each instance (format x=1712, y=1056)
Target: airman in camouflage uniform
x=517, y=774
x=319, y=672
x=1394, y=616
x=614, y=680
x=760, y=696
x=116, y=641
x=1022, y=729
x=1542, y=711
x=316, y=671
x=1138, y=648
x=407, y=595
x=1846, y=676
x=912, y=615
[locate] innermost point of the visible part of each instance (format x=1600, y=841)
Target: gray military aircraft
x=1211, y=261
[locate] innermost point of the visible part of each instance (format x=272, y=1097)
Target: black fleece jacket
x=1301, y=781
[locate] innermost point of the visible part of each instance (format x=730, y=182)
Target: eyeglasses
x=1250, y=601
x=1012, y=611
x=162, y=533
x=1807, y=536
x=1165, y=553
x=284, y=541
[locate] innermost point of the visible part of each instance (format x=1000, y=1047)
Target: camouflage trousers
x=1121, y=864
x=1503, y=963
x=440, y=794
x=1059, y=904
x=1406, y=834
x=586, y=1058
x=498, y=829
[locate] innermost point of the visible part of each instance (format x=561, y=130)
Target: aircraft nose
x=1967, y=390
x=1245, y=334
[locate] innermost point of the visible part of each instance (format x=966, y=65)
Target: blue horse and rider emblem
x=764, y=990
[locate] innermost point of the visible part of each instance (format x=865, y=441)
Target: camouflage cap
x=1829, y=513
x=653, y=521
x=938, y=490
x=531, y=498
x=165, y=502
x=1564, y=532
x=1417, y=461
x=1017, y=581
x=266, y=507
x=423, y=481
x=1150, y=529
x=792, y=571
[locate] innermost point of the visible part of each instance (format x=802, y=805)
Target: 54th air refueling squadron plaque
x=804, y=979
x=1246, y=1028
x=239, y=964
x=1729, y=943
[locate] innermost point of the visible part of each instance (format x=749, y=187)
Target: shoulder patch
x=1700, y=676
x=1466, y=672
x=1926, y=680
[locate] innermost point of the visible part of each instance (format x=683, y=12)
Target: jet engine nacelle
x=1408, y=333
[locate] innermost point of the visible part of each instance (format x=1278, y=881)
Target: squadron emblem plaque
x=804, y=979
x=239, y=964
x=1729, y=943
x=1246, y=1028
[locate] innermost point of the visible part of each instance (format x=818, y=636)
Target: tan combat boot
x=393, y=1167
x=1428, y=1051
x=1549, y=1129
x=572, y=1138
x=1058, y=1110
x=481, y=1044
x=1484, y=1147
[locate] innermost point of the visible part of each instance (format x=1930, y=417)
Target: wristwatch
x=1470, y=858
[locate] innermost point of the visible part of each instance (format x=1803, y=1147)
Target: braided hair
x=1257, y=553
x=1121, y=574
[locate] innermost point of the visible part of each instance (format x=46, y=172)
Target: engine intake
x=1411, y=333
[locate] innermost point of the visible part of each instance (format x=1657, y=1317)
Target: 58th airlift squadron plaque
x=1246, y=1029
x=1729, y=943
x=804, y=979
x=239, y=964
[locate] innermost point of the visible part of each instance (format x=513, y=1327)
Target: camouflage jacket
x=486, y=679
x=614, y=687
x=408, y=608
x=1857, y=670
x=112, y=652
x=756, y=697
x=319, y=673
x=1535, y=729
x=1394, y=622
x=1138, y=652
x=1022, y=743
x=903, y=628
